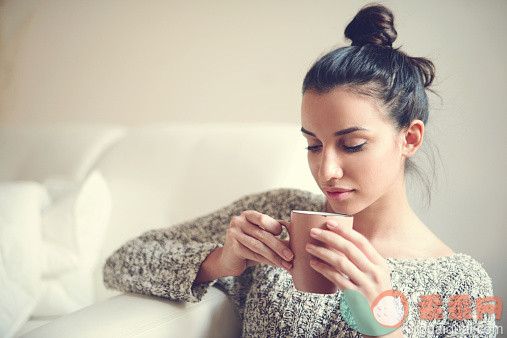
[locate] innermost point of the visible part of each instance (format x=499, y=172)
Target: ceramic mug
x=305, y=278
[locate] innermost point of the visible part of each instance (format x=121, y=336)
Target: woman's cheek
x=314, y=167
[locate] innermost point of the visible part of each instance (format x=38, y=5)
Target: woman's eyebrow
x=338, y=133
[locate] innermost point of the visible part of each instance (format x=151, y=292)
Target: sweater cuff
x=186, y=267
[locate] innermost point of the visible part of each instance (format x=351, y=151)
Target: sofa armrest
x=130, y=314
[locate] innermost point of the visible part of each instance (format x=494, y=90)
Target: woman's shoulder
x=459, y=272
x=456, y=261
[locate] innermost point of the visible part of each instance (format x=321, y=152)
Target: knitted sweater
x=165, y=262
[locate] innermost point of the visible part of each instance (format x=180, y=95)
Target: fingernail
x=288, y=254
x=310, y=246
x=316, y=231
x=332, y=225
x=286, y=265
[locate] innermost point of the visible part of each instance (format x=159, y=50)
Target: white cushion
x=20, y=246
x=73, y=232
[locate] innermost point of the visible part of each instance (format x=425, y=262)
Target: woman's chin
x=340, y=208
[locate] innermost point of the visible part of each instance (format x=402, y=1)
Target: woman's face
x=365, y=156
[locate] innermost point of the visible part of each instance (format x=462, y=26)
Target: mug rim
x=320, y=213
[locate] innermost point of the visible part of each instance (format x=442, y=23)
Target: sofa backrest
x=64, y=151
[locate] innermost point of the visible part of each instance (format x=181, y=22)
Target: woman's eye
x=313, y=149
x=355, y=148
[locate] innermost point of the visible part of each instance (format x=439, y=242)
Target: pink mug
x=305, y=278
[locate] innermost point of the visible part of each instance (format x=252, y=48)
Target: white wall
x=135, y=62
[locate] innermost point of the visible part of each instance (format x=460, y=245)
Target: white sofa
x=105, y=184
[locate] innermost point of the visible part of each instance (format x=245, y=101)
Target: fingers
x=333, y=275
x=349, y=260
x=261, y=252
x=336, y=262
x=262, y=244
x=343, y=245
x=265, y=228
x=252, y=257
x=263, y=221
x=355, y=263
x=275, y=244
x=358, y=241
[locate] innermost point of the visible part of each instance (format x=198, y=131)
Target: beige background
x=135, y=62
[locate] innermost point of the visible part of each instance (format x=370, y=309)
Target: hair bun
x=374, y=24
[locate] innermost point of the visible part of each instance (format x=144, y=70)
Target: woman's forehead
x=339, y=108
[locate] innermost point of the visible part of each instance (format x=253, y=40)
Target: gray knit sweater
x=165, y=262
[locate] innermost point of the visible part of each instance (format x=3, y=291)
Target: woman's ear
x=413, y=138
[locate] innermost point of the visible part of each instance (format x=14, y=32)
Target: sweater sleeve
x=165, y=262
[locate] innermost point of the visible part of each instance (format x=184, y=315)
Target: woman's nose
x=330, y=168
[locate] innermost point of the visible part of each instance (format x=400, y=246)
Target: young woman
x=364, y=112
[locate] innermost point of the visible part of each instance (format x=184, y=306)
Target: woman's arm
x=166, y=262
x=158, y=263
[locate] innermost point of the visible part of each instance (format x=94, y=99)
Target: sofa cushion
x=21, y=204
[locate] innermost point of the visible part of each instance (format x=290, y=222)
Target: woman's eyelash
x=355, y=148
x=312, y=148
x=348, y=149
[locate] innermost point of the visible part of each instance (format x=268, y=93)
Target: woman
x=364, y=111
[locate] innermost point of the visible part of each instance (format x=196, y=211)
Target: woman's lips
x=338, y=196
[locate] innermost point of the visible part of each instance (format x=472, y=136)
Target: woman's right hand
x=251, y=239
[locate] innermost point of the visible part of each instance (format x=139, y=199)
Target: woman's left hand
x=349, y=252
